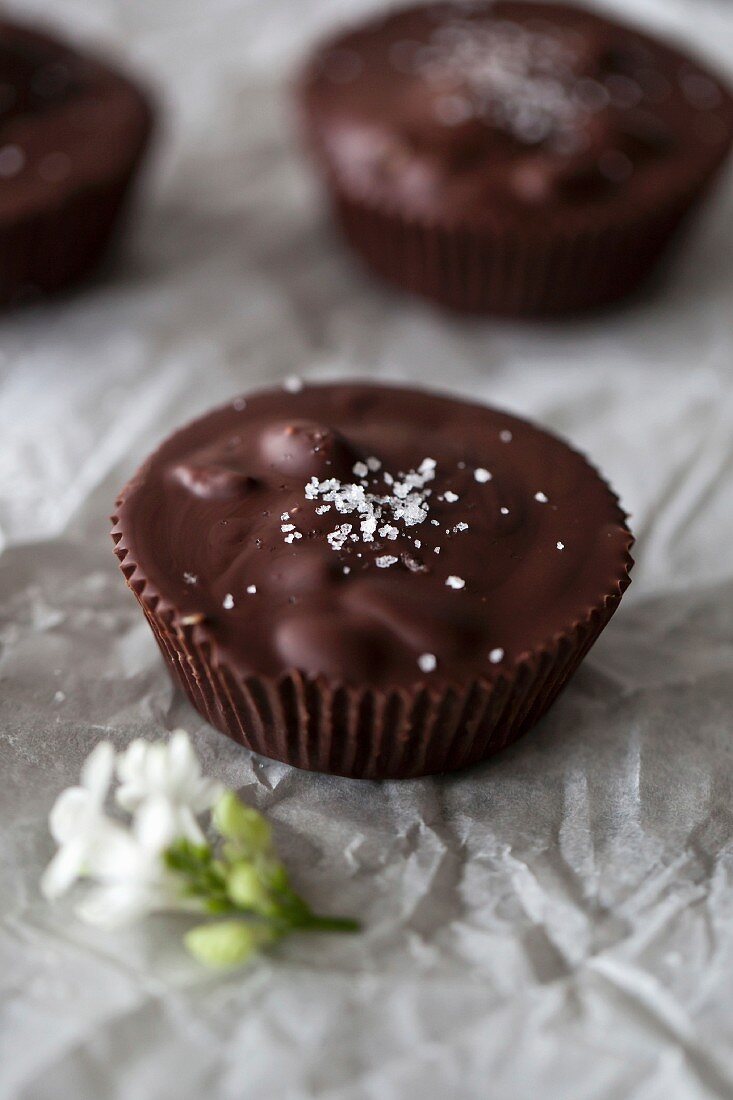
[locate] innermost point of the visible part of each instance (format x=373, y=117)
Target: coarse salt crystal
x=505, y=436
x=385, y=561
x=541, y=497
x=481, y=475
x=427, y=662
x=450, y=496
x=496, y=655
x=455, y=582
x=228, y=602
x=251, y=589
x=560, y=545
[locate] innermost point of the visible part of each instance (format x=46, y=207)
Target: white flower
x=136, y=883
x=86, y=837
x=163, y=786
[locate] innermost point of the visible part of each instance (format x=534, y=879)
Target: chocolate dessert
x=512, y=157
x=72, y=133
x=371, y=581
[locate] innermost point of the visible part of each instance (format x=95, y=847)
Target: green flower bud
x=241, y=824
x=227, y=943
x=246, y=889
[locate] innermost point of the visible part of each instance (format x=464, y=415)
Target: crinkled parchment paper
x=557, y=923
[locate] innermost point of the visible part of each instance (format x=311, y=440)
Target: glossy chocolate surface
x=468, y=112
x=375, y=535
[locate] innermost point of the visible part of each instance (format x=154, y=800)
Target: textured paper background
x=558, y=923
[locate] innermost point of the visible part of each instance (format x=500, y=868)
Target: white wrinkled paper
x=556, y=923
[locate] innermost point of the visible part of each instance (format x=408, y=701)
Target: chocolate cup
x=542, y=272
x=54, y=236
x=364, y=733
x=573, y=260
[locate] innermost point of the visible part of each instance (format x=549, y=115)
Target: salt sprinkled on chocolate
x=560, y=545
x=520, y=79
x=481, y=475
x=505, y=435
x=455, y=582
x=427, y=662
x=496, y=655
x=190, y=578
x=228, y=602
x=541, y=497
x=406, y=502
x=251, y=589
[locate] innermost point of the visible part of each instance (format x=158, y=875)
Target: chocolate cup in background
x=321, y=724
x=57, y=229
x=577, y=259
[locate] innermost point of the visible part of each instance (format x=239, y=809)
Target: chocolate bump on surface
x=336, y=614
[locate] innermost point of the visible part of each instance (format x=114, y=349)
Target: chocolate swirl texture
x=379, y=541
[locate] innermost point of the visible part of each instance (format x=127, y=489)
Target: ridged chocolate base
x=513, y=273
x=62, y=246
x=364, y=733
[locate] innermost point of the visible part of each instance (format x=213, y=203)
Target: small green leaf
x=242, y=825
x=227, y=943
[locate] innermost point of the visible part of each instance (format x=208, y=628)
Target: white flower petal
x=208, y=792
x=183, y=769
x=64, y=869
x=115, y=905
x=156, y=823
x=112, y=852
x=188, y=826
x=69, y=813
x=99, y=766
x=131, y=763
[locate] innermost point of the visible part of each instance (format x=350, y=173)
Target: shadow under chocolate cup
x=374, y=659
x=455, y=174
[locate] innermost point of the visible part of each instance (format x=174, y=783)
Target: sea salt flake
x=560, y=545
x=450, y=496
x=504, y=511
x=541, y=497
x=373, y=464
x=496, y=655
x=287, y=527
x=360, y=469
x=481, y=475
x=505, y=435
x=460, y=527
x=285, y=516
x=228, y=602
x=190, y=578
x=427, y=662
x=385, y=561
x=455, y=582
x=251, y=589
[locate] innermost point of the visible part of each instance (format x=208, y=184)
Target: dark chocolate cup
x=55, y=249
x=364, y=732
x=542, y=270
